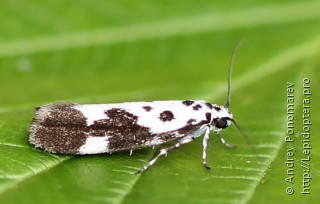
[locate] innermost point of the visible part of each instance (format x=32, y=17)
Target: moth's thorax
x=221, y=112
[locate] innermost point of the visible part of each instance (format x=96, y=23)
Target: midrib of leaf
x=210, y=22
x=279, y=62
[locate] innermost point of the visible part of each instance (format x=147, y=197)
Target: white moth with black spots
x=106, y=128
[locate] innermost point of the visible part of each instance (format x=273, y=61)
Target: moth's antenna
x=245, y=137
x=233, y=55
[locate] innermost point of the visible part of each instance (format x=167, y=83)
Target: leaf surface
x=116, y=51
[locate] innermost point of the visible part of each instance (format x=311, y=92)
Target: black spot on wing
x=190, y=128
x=188, y=102
x=166, y=116
x=57, y=139
x=117, y=117
x=197, y=107
x=217, y=108
x=208, y=116
x=209, y=105
x=58, y=128
x=147, y=108
x=60, y=114
x=123, y=131
x=191, y=121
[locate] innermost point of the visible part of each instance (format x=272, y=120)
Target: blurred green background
x=114, y=51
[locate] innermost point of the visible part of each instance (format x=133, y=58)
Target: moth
x=81, y=129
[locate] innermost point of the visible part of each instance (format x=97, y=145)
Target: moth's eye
x=222, y=123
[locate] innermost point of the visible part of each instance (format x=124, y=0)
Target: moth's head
x=222, y=118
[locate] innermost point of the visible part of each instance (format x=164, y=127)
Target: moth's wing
x=90, y=129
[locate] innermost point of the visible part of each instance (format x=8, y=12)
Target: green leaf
x=115, y=51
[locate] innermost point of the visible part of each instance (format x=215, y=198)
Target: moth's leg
x=224, y=142
x=165, y=151
x=205, y=144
